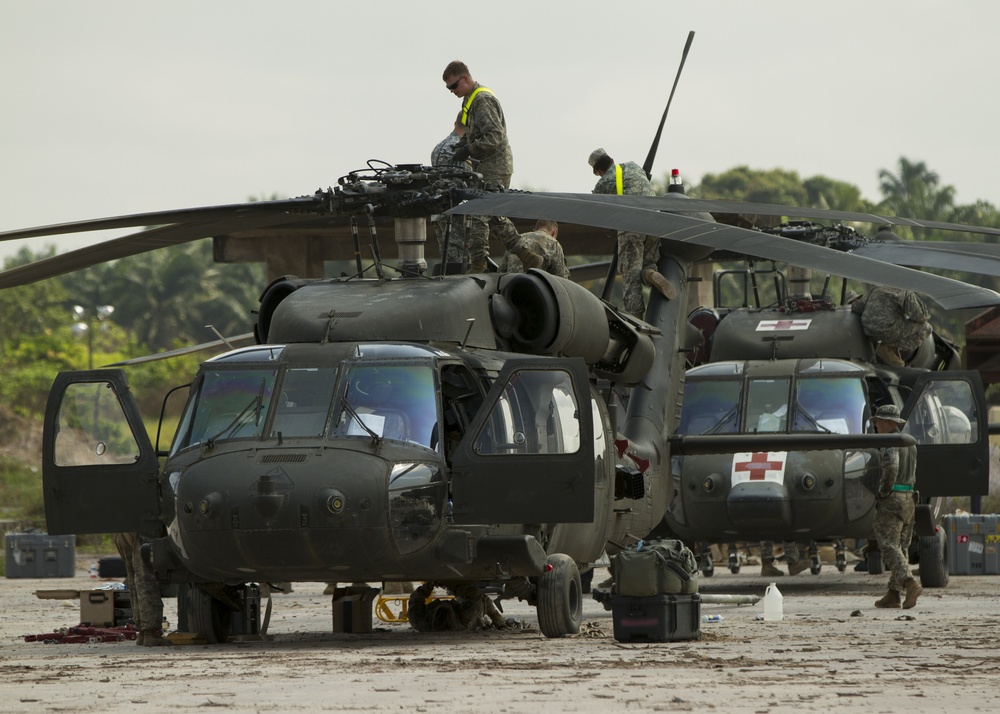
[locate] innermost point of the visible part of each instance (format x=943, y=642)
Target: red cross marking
x=757, y=465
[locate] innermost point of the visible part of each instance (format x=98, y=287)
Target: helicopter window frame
x=400, y=413
x=308, y=406
x=848, y=416
x=227, y=424
x=535, y=414
x=724, y=416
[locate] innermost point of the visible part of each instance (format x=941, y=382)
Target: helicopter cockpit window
x=536, y=414
x=945, y=414
x=92, y=428
x=710, y=407
x=229, y=404
x=390, y=401
x=767, y=405
x=833, y=404
x=303, y=401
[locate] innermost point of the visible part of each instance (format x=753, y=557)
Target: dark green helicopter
x=501, y=429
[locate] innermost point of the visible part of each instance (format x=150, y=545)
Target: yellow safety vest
x=468, y=103
x=618, y=179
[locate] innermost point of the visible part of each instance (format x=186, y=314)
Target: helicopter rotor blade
x=771, y=209
x=647, y=165
x=230, y=342
x=926, y=255
x=158, y=218
x=134, y=244
x=685, y=232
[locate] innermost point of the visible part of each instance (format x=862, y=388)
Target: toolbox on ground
x=38, y=555
x=110, y=567
x=105, y=608
x=656, y=618
x=973, y=544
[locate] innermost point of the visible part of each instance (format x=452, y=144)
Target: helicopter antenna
x=357, y=244
x=220, y=336
x=471, y=321
x=376, y=255
x=647, y=165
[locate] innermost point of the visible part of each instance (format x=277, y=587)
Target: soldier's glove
x=461, y=155
x=528, y=258
x=476, y=267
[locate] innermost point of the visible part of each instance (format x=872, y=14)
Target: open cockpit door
x=528, y=456
x=946, y=414
x=99, y=469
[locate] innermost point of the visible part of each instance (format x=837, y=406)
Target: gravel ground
x=832, y=651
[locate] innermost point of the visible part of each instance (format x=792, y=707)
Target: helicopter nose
x=760, y=505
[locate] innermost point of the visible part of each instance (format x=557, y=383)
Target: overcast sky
x=125, y=107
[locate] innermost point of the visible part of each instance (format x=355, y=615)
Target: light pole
x=82, y=327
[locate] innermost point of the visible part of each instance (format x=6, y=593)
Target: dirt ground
x=832, y=651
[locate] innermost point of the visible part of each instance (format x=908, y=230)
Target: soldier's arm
x=889, y=459
x=489, y=132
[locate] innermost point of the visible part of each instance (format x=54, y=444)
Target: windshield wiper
x=728, y=416
x=799, y=409
x=240, y=420
x=376, y=437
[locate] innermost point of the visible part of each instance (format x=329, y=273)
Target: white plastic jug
x=772, y=604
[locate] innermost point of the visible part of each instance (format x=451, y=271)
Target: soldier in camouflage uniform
x=638, y=255
x=896, y=319
x=485, y=141
x=895, y=507
x=144, y=591
x=541, y=241
x=443, y=155
x=470, y=609
x=793, y=556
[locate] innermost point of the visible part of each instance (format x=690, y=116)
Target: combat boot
x=529, y=259
x=890, y=599
x=913, y=591
x=767, y=570
x=889, y=354
x=476, y=266
x=798, y=566
x=656, y=280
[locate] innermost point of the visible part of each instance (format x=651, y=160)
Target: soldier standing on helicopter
x=638, y=255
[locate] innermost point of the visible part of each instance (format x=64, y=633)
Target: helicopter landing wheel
x=816, y=566
x=560, y=597
x=841, y=551
x=208, y=615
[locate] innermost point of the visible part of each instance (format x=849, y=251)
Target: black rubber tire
x=708, y=569
x=208, y=615
x=734, y=569
x=560, y=597
x=874, y=560
x=933, y=560
x=815, y=568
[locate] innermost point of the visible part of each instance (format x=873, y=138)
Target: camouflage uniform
x=538, y=242
x=486, y=140
x=144, y=590
x=894, y=515
x=469, y=610
x=895, y=317
x=458, y=247
x=793, y=557
x=636, y=252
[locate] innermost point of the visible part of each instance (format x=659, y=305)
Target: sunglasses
x=454, y=85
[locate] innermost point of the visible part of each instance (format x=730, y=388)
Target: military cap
x=889, y=412
x=595, y=156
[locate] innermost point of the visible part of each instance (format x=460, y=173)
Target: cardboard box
x=658, y=618
x=38, y=555
x=973, y=544
x=105, y=608
x=352, y=609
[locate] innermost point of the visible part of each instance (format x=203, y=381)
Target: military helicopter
x=453, y=428
x=798, y=363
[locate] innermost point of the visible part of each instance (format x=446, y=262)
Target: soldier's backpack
x=659, y=567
